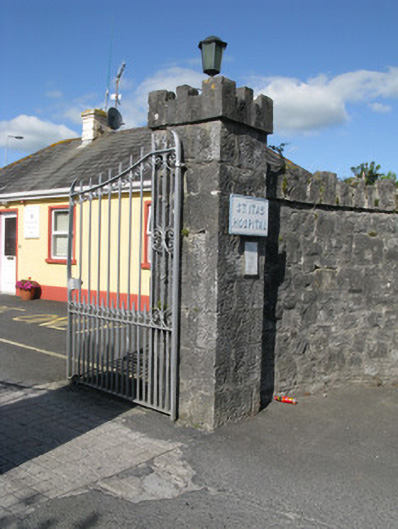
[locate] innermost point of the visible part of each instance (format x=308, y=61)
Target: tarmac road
x=32, y=340
x=76, y=459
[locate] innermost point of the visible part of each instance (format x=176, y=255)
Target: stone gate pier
x=224, y=136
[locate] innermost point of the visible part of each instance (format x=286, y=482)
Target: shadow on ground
x=86, y=522
x=35, y=421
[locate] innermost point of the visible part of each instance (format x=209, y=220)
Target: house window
x=147, y=236
x=58, y=234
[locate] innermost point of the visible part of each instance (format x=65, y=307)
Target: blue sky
x=331, y=68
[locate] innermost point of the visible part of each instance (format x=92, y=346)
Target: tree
x=370, y=172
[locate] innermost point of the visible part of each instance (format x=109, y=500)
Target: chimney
x=94, y=125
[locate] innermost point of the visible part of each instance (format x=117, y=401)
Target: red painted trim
x=61, y=294
x=50, y=259
x=58, y=261
x=14, y=210
x=146, y=265
x=54, y=293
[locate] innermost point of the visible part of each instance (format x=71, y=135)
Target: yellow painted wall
x=32, y=253
x=106, y=251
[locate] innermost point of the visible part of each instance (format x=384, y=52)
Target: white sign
x=251, y=258
x=31, y=226
x=248, y=216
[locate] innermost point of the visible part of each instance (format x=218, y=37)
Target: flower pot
x=28, y=295
x=17, y=291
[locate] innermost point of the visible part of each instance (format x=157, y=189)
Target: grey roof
x=58, y=165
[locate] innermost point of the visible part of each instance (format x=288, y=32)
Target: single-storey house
x=34, y=202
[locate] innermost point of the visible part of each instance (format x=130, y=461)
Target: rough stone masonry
x=332, y=281
x=322, y=309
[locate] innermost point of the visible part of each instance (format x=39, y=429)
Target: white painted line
x=50, y=353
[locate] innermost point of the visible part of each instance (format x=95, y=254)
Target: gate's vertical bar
x=155, y=367
x=129, y=308
x=118, y=309
x=167, y=372
x=99, y=370
x=119, y=223
x=69, y=336
x=154, y=273
x=108, y=311
x=109, y=238
x=130, y=234
x=113, y=347
x=103, y=343
x=90, y=363
x=176, y=283
x=164, y=286
x=89, y=243
x=145, y=363
x=123, y=357
x=133, y=331
x=170, y=223
x=84, y=336
x=152, y=278
x=79, y=321
x=139, y=355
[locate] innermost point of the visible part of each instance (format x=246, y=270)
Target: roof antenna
x=115, y=120
x=116, y=97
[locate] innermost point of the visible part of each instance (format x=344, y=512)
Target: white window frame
x=149, y=235
x=55, y=234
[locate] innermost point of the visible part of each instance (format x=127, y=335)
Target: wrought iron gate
x=123, y=318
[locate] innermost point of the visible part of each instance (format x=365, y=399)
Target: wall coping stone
x=296, y=184
x=220, y=99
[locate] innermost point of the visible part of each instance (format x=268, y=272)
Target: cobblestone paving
x=55, y=442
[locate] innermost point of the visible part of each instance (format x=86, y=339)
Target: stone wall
x=323, y=308
x=331, y=282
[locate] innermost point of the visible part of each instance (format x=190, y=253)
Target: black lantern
x=212, y=49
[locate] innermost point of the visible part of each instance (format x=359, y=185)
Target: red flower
x=27, y=284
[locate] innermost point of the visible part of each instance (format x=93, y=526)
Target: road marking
x=60, y=324
x=52, y=321
x=36, y=318
x=50, y=353
x=4, y=308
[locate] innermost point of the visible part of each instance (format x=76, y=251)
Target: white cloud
x=74, y=114
x=54, y=94
x=72, y=110
x=301, y=106
x=320, y=102
x=379, y=107
x=36, y=133
x=134, y=104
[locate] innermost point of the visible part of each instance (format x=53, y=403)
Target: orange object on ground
x=288, y=400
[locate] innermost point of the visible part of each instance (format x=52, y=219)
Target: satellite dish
x=115, y=120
